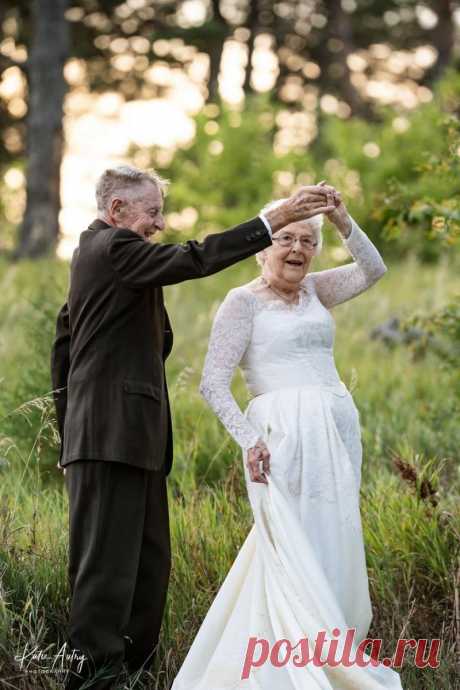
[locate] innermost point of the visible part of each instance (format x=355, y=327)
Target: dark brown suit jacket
x=113, y=336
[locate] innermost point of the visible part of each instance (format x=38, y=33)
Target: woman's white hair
x=114, y=181
x=315, y=223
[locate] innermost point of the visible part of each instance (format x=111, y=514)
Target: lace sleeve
x=230, y=334
x=336, y=285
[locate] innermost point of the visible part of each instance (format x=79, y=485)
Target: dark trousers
x=119, y=565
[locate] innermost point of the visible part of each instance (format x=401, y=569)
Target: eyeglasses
x=286, y=240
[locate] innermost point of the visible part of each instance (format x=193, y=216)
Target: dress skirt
x=301, y=572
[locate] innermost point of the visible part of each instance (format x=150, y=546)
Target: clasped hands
x=310, y=201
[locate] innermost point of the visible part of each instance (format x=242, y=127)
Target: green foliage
x=441, y=335
x=429, y=209
x=411, y=551
x=226, y=175
x=426, y=208
x=399, y=175
x=31, y=296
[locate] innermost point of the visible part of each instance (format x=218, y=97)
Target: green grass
x=407, y=411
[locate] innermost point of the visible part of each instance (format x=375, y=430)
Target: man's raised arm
x=139, y=263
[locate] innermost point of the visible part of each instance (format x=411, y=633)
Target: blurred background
x=238, y=102
x=261, y=94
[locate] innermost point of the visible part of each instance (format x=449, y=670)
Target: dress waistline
x=336, y=388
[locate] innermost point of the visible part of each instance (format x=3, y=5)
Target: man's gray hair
x=113, y=181
x=315, y=223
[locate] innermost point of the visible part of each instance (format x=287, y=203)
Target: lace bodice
x=279, y=345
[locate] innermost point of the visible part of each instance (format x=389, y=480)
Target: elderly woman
x=301, y=573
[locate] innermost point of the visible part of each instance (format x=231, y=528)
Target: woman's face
x=290, y=263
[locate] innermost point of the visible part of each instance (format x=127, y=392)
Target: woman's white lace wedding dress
x=302, y=568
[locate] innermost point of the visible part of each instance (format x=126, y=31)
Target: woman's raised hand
x=308, y=201
x=257, y=454
x=339, y=215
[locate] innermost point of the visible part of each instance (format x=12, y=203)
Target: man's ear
x=114, y=210
x=115, y=206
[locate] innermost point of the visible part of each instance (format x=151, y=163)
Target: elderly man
x=113, y=336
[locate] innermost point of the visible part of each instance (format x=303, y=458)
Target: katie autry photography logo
x=34, y=660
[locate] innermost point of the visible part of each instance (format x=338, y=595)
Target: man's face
x=140, y=210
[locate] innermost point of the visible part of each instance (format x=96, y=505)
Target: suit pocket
x=143, y=428
x=133, y=386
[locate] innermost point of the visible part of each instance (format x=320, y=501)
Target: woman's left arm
x=336, y=285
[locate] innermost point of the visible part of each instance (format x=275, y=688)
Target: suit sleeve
x=60, y=362
x=139, y=263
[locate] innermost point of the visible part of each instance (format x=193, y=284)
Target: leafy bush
x=32, y=293
x=399, y=175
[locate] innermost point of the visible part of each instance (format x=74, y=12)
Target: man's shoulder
x=105, y=237
x=92, y=248
x=100, y=231
x=124, y=232
x=117, y=237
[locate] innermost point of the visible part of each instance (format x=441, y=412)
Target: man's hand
x=256, y=454
x=307, y=202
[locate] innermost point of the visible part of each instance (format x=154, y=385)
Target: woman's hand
x=256, y=454
x=339, y=216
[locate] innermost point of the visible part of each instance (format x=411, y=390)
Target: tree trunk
x=215, y=50
x=442, y=38
x=340, y=28
x=279, y=37
x=251, y=25
x=49, y=51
